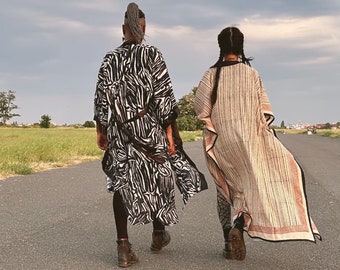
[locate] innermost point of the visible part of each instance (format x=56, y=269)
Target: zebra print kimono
x=134, y=101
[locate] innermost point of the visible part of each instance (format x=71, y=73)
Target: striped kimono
x=254, y=172
x=134, y=102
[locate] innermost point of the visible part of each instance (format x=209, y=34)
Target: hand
x=172, y=149
x=102, y=141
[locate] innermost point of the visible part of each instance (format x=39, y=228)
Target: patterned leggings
x=224, y=211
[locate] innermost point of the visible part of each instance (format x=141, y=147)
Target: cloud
x=55, y=47
x=6, y=76
x=103, y=6
x=309, y=61
x=184, y=37
x=298, y=32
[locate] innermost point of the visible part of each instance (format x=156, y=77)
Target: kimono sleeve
x=101, y=105
x=166, y=108
x=202, y=101
x=264, y=100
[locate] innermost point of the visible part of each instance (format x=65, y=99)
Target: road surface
x=62, y=219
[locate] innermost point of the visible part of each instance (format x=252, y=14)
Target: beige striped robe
x=252, y=169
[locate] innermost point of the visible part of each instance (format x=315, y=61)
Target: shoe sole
x=156, y=249
x=128, y=264
x=238, y=248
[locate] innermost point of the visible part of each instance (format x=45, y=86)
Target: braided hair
x=132, y=16
x=230, y=40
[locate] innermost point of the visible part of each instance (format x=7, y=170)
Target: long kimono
x=255, y=173
x=134, y=102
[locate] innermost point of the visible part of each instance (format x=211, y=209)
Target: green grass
x=28, y=150
x=191, y=136
x=329, y=133
x=334, y=133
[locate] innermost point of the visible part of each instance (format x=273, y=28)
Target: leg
x=224, y=214
x=120, y=216
x=235, y=248
x=160, y=237
x=126, y=256
x=238, y=247
x=224, y=211
x=157, y=226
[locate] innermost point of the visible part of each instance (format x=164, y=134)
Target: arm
x=264, y=100
x=101, y=137
x=101, y=102
x=172, y=148
x=202, y=101
x=163, y=96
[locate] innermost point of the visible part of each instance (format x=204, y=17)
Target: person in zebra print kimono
x=135, y=111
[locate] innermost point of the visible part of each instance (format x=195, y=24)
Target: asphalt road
x=62, y=219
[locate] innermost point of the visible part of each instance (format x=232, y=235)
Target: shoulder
x=151, y=51
x=208, y=76
x=249, y=70
x=147, y=47
x=210, y=73
x=110, y=54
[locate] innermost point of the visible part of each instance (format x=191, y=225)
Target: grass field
x=334, y=133
x=27, y=150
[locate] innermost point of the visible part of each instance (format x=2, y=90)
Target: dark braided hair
x=230, y=40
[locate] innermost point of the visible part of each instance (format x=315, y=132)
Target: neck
x=231, y=57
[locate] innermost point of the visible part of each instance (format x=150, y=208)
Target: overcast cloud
x=51, y=51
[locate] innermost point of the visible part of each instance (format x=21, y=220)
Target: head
x=134, y=24
x=230, y=41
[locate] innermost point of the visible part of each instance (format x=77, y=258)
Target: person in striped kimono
x=255, y=174
x=135, y=111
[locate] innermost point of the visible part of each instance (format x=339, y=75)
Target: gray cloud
x=51, y=51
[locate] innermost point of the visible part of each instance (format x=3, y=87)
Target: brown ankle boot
x=160, y=240
x=238, y=247
x=126, y=256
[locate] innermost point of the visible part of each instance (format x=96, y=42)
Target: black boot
x=159, y=240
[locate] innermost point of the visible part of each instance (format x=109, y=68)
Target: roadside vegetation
x=334, y=133
x=28, y=150
x=40, y=146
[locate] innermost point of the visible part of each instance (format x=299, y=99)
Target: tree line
x=187, y=120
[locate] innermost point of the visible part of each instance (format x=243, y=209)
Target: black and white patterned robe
x=134, y=101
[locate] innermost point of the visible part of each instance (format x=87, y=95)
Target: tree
x=283, y=124
x=89, y=124
x=45, y=121
x=7, y=106
x=328, y=126
x=187, y=119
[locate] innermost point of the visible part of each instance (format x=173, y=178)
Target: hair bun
x=133, y=16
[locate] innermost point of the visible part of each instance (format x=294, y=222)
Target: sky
x=51, y=51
